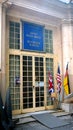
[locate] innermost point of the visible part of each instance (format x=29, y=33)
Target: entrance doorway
x=28, y=81
x=33, y=82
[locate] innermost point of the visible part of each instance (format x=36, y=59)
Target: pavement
x=26, y=122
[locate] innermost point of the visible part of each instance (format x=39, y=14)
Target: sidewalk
x=26, y=122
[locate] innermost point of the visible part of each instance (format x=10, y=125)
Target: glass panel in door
x=49, y=67
x=14, y=80
x=27, y=82
x=39, y=82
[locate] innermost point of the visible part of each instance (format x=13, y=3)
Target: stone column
x=0, y=32
x=3, y=56
x=67, y=48
x=0, y=40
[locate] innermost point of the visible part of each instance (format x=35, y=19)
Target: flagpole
x=59, y=101
x=59, y=83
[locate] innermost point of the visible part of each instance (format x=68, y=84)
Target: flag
x=59, y=82
x=50, y=82
x=66, y=82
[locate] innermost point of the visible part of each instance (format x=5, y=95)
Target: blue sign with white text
x=32, y=35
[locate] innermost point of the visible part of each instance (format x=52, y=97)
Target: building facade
x=35, y=36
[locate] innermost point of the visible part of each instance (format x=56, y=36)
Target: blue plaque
x=32, y=36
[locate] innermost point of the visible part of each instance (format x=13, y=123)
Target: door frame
x=33, y=80
x=45, y=99
x=33, y=54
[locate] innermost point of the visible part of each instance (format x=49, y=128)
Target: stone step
x=62, y=113
x=29, y=114
x=26, y=118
